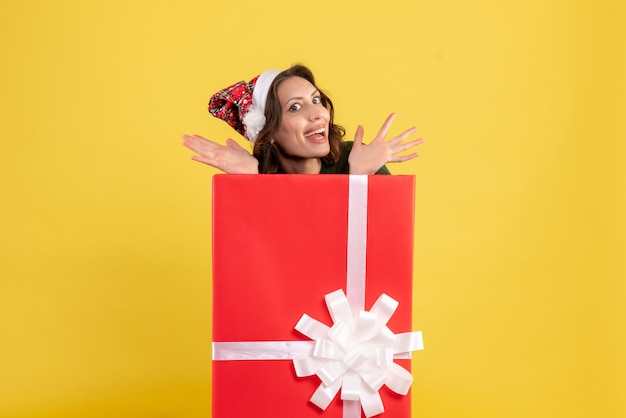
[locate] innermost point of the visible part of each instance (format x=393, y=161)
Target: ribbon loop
x=384, y=308
x=338, y=307
x=373, y=376
x=365, y=328
x=307, y=366
x=354, y=359
x=323, y=395
x=398, y=379
x=331, y=372
x=327, y=349
x=340, y=333
x=384, y=338
x=350, y=387
x=384, y=356
x=407, y=342
x=311, y=328
x=371, y=402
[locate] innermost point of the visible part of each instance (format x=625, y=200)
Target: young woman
x=290, y=122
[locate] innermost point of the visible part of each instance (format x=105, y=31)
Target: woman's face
x=303, y=131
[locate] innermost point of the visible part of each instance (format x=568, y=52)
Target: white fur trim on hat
x=255, y=118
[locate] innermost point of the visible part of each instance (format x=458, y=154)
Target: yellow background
x=105, y=247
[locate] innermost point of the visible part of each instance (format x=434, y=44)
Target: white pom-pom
x=254, y=121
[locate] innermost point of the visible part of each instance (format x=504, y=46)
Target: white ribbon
x=357, y=242
x=262, y=350
x=355, y=354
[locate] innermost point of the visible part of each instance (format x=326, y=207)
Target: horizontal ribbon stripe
x=262, y=350
x=270, y=350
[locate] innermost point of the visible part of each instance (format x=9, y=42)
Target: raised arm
x=367, y=159
x=230, y=158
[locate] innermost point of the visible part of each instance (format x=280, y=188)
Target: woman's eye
x=294, y=107
x=317, y=100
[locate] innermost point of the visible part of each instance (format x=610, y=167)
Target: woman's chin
x=321, y=149
x=317, y=139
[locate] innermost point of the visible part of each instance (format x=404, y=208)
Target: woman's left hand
x=368, y=159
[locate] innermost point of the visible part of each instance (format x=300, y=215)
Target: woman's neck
x=301, y=165
x=297, y=165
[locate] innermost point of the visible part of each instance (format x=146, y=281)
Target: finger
x=231, y=143
x=188, y=140
x=402, y=158
x=408, y=145
x=200, y=140
x=196, y=142
x=192, y=145
x=204, y=160
x=193, y=137
x=382, y=133
x=404, y=135
x=358, y=136
x=200, y=147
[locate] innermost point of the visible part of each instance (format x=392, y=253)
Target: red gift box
x=280, y=244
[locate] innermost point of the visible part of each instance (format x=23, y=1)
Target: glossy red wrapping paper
x=279, y=246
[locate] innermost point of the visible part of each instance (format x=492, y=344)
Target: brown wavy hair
x=263, y=149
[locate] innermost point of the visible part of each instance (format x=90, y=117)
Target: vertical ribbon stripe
x=357, y=242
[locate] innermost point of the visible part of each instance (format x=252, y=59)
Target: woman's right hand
x=230, y=158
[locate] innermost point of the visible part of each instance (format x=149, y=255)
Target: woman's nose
x=315, y=112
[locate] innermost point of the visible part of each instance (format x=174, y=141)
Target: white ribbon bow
x=356, y=354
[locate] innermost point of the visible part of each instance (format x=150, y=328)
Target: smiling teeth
x=318, y=131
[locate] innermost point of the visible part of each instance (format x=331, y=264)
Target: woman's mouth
x=316, y=136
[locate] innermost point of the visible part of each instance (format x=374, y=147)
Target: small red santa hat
x=242, y=105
